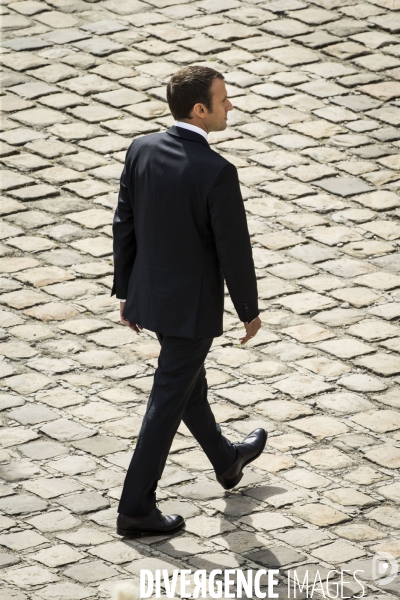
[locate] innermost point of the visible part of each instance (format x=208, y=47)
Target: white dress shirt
x=191, y=128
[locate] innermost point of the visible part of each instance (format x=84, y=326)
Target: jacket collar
x=180, y=132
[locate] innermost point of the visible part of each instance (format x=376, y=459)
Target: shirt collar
x=192, y=128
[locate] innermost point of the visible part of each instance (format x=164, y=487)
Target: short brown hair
x=189, y=86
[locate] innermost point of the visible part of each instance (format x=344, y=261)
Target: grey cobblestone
x=314, y=136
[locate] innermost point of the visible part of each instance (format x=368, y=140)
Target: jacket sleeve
x=229, y=224
x=124, y=240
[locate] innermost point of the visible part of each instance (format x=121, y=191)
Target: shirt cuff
x=120, y=299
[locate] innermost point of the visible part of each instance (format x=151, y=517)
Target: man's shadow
x=249, y=547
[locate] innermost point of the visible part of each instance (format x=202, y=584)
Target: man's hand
x=251, y=329
x=133, y=326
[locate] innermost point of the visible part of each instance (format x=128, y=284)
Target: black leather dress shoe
x=153, y=524
x=248, y=450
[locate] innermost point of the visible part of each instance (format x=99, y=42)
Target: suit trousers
x=179, y=392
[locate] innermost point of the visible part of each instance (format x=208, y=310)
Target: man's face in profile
x=220, y=106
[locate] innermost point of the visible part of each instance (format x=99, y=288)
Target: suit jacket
x=179, y=230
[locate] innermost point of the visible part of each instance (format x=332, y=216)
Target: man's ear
x=199, y=110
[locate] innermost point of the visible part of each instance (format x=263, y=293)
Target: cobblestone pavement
x=314, y=136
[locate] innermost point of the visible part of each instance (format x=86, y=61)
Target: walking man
x=179, y=231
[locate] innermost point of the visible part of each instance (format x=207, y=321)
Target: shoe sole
x=141, y=533
x=239, y=477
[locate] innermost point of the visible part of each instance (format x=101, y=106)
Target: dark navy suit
x=179, y=231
